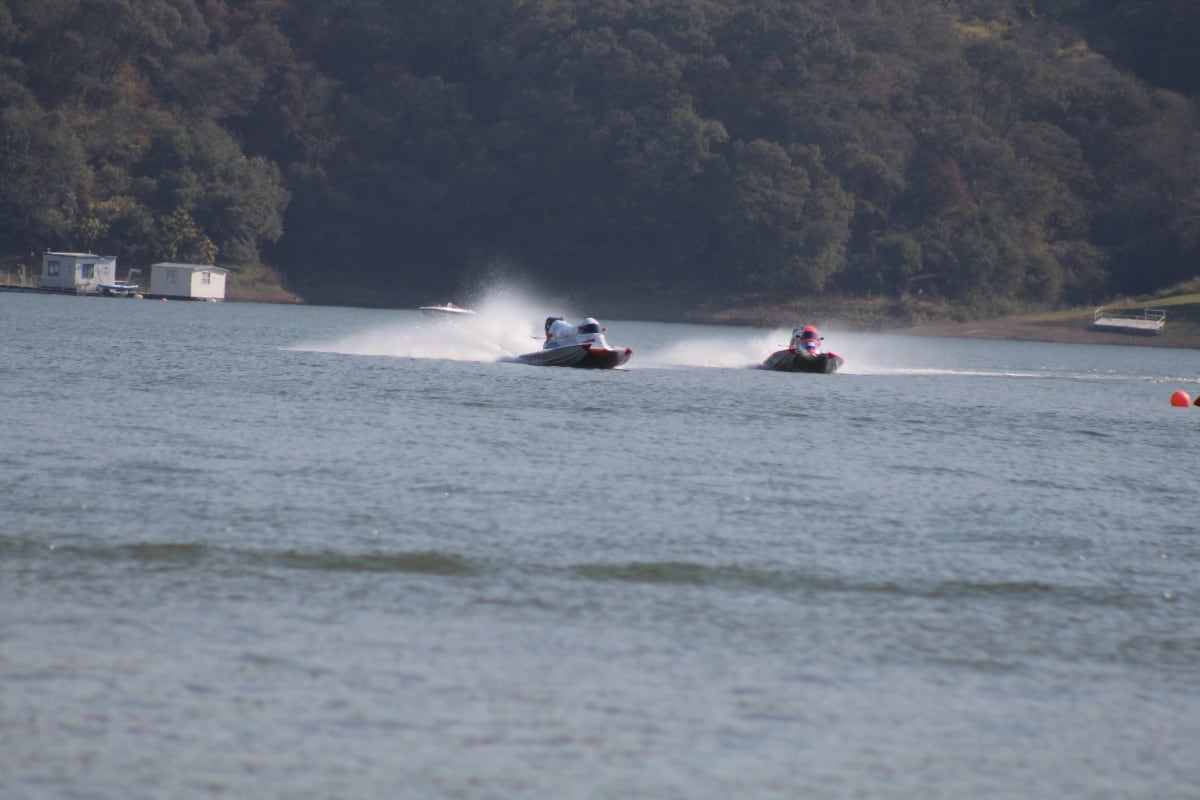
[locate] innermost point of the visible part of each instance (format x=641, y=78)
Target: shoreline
x=1072, y=327
x=877, y=315
x=1182, y=336
x=1067, y=327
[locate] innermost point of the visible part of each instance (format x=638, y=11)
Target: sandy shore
x=1067, y=327
x=1071, y=332
x=853, y=315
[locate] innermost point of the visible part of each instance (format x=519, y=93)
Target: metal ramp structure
x=1149, y=321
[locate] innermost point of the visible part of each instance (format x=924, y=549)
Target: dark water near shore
x=301, y=552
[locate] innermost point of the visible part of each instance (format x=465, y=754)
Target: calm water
x=301, y=552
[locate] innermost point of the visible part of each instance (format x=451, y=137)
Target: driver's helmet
x=589, y=325
x=550, y=321
x=810, y=339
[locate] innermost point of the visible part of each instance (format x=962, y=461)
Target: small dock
x=104, y=291
x=1147, y=322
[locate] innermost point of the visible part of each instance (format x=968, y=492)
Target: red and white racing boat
x=576, y=346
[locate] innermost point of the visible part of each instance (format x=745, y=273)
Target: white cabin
x=82, y=273
x=187, y=281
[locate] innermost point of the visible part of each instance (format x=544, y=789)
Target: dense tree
x=115, y=142
x=1155, y=39
x=992, y=153
x=44, y=179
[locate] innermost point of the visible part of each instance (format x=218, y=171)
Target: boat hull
x=790, y=361
x=578, y=355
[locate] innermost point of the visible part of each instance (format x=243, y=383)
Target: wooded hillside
x=997, y=154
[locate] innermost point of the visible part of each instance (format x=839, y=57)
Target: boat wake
x=504, y=324
x=960, y=373
x=742, y=350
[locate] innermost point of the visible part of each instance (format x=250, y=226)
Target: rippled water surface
x=302, y=552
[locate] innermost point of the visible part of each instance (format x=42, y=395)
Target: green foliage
x=44, y=176
x=978, y=152
x=1155, y=39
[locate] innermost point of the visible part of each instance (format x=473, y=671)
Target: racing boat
x=803, y=354
x=799, y=361
x=576, y=346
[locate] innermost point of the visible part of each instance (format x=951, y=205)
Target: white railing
x=1148, y=320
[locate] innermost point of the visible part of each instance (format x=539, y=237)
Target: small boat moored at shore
x=120, y=289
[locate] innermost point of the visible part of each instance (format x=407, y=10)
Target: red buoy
x=1181, y=399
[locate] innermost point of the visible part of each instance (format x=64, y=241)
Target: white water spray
x=505, y=324
x=735, y=349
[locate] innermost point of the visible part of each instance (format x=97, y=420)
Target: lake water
x=307, y=552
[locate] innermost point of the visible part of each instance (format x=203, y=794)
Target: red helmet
x=810, y=332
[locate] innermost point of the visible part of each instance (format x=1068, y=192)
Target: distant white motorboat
x=448, y=310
